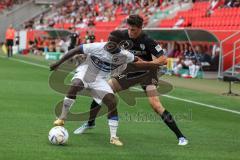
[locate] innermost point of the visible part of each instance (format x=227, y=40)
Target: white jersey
x=98, y=66
x=99, y=63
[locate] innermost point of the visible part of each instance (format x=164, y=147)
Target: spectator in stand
x=213, y=4
x=52, y=45
x=201, y=57
x=9, y=3
x=188, y=53
x=193, y=69
x=179, y=22
x=39, y=46
x=41, y=19
x=46, y=43
x=91, y=22
x=62, y=45
x=232, y=3
x=177, y=52
x=215, y=57
x=80, y=23
x=182, y=49
x=179, y=65
x=186, y=60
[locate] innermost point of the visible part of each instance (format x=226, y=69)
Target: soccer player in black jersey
x=143, y=47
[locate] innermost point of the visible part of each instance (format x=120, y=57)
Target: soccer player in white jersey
x=93, y=73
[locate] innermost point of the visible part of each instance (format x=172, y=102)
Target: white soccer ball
x=58, y=135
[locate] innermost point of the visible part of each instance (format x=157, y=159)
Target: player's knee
x=77, y=85
x=114, y=85
x=110, y=100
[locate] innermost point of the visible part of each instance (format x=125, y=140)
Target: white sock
x=113, y=125
x=67, y=104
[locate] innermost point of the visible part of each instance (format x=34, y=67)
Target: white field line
x=198, y=103
x=26, y=62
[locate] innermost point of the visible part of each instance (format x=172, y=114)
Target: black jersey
x=144, y=47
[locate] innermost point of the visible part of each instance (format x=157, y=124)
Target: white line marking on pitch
x=198, y=103
x=26, y=62
x=167, y=96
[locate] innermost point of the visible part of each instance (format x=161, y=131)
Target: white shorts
x=98, y=87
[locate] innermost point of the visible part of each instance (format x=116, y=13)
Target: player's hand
x=162, y=60
x=54, y=66
x=138, y=60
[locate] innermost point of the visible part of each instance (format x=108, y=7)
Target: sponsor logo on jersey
x=103, y=66
x=115, y=59
x=158, y=48
x=154, y=81
x=142, y=46
x=138, y=53
x=121, y=76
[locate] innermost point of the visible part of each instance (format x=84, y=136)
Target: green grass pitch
x=27, y=112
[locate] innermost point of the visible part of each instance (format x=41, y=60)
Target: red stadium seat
x=221, y=19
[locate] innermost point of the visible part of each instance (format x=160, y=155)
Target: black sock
x=170, y=122
x=95, y=107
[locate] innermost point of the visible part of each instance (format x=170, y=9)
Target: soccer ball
x=58, y=135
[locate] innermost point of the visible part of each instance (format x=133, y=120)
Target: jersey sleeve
x=130, y=57
x=87, y=48
x=93, y=48
x=154, y=48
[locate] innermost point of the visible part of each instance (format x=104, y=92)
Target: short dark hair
x=135, y=20
x=116, y=36
x=114, y=39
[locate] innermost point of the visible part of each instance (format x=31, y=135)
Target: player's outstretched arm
x=139, y=63
x=71, y=53
x=162, y=60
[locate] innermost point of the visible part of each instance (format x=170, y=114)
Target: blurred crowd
x=41, y=45
x=214, y=4
x=85, y=13
x=192, y=57
x=8, y=4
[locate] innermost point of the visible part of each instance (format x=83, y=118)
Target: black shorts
x=133, y=76
x=9, y=42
